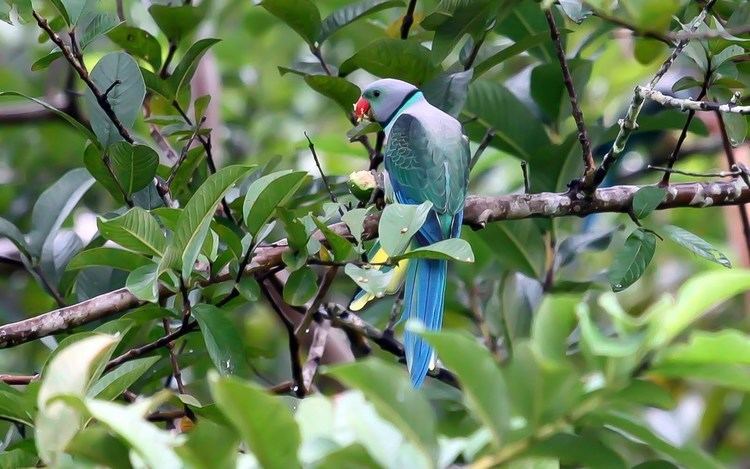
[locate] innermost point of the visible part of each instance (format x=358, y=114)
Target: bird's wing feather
x=424, y=167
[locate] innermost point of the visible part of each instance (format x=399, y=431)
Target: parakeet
x=426, y=157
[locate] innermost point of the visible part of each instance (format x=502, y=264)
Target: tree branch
x=583, y=135
x=689, y=104
x=629, y=124
x=408, y=19
x=479, y=211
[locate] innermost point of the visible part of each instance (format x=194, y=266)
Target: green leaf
x=136, y=230
x=143, y=283
x=184, y=71
x=456, y=18
x=603, y=345
x=54, y=206
x=351, y=13
x=485, y=390
x=520, y=46
x=341, y=90
x=46, y=61
x=393, y=58
x=80, y=128
x=355, y=220
x=113, y=384
x=727, y=346
x=575, y=450
x=300, y=15
x=73, y=10
x=372, y=280
x=124, y=98
x=266, y=193
x=138, y=43
x=301, y=286
x=552, y=325
x=631, y=261
x=111, y=257
x=10, y=231
x=736, y=126
x=685, y=83
x=362, y=128
x=696, y=244
x=342, y=249
x=14, y=406
x=95, y=25
x=454, y=249
x=210, y=445
x=646, y=199
x=96, y=445
x=448, y=91
x=388, y=388
x=548, y=89
x=517, y=130
x=56, y=253
x=728, y=53
x=94, y=162
x=134, y=165
x=694, y=298
x=517, y=244
x=70, y=372
x=224, y=344
x=575, y=10
x=195, y=219
x=176, y=22
x=685, y=456
x=398, y=223
x=264, y=422
x=153, y=445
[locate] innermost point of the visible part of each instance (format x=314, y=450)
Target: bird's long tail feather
x=424, y=296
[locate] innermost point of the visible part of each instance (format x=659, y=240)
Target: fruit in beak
x=361, y=109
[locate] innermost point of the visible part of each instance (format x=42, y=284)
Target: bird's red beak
x=361, y=108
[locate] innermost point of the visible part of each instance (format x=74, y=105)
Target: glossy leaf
x=344, y=92
x=264, y=422
x=300, y=15
x=631, y=261
x=398, y=223
x=410, y=412
x=54, y=206
x=301, y=286
x=136, y=230
x=124, y=98
x=113, y=384
x=696, y=245
x=517, y=244
x=646, y=199
x=454, y=249
x=143, y=283
x=184, y=70
x=195, y=219
x=111, y=257
x=393, y=58
x=133, y=165
x=223, y=342
x=448, y=92
x=266, y=193
x=176, y=22
x=10, y=231
x=138, y=43
x=351, y=13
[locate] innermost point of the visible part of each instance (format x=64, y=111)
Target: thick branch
x=479, y=211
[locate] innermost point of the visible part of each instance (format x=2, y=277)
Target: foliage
x=170, y=173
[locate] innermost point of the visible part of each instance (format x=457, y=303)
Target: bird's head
x=382, y=98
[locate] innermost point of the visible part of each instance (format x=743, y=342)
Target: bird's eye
x=376, y=93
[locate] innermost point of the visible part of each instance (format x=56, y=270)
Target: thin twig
x=478, y=315
x=474, y=52
x=689, y=104
x=733, y=163
x=276, y=301
x=683, y=134
x=629, y=124
x=207, y=147
x=483, y=144
x=325, y=285
x=311, y=146
x=176, y=373
x=408, y=19
x=526, y=181
x=583, y=135
x=164, y=72
x=134, y=353
x=395, y=313
x=720, y=174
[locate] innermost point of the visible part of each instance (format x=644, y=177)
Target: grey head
x=386, y=96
